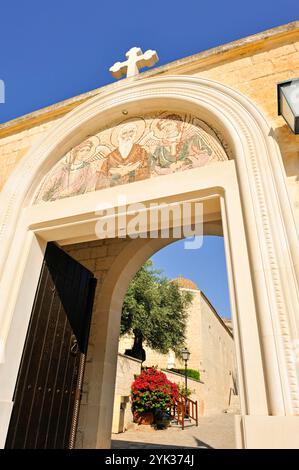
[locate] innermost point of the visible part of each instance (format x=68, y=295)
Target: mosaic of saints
x=76, y=173
x=135, y=149
x=128, y=162
x=176, y=146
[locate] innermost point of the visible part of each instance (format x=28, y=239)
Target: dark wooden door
x=47, y=394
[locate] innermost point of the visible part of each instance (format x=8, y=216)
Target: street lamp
x=288, y=103
x=185, y=356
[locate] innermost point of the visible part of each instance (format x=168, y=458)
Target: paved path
x=212, y=432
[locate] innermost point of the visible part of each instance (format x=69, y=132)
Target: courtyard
x=216, y=432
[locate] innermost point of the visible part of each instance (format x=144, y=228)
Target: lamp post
x=185, y=356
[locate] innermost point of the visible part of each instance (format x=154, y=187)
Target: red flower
x=151, y=389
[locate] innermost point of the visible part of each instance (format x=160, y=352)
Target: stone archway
x=265, y=213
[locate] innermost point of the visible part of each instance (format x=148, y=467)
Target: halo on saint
x=88, y=147
x=135, y=124
x=161, y=123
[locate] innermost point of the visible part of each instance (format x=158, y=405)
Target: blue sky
x=53, y=50
x=206, y=266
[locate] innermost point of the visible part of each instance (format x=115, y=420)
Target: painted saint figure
x=127, y=163
x=138, y=148
x=179, y=148
x=75, y=175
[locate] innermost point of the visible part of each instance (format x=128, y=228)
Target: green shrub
x=182, y=390
x=192, y=373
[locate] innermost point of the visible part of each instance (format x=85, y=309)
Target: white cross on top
x=136, y=60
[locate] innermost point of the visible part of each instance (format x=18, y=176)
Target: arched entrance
x=258, y=226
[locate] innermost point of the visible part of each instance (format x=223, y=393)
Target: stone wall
x=98, y=257
x=208, y=404
x=127, y=368
x=153, y=358
x=197, y=388
x=193, y=331
x=217, y=361
x=256, y=74
x=14, y=146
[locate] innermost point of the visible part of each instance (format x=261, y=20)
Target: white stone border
x=270, y=229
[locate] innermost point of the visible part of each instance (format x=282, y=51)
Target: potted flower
x=152, y=394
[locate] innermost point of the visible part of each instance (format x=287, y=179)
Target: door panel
x=46, y=399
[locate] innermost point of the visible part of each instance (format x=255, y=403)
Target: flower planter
x=152, y=394
x=145, y=418
x=161, y=419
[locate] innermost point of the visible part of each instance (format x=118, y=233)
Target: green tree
x=155, y=312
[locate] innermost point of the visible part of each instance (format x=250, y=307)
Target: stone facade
x=13, y=146
x=98, y=257
x=252, y=66
x=127, y=369
x=217, y=360
x=252, y=198
x=209, y=403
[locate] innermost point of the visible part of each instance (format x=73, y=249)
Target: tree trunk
x=137, y=350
